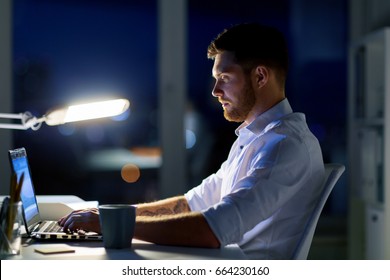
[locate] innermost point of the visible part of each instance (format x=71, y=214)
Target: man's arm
x=169, y=206
x=88, y=219
x=171, y=222
x=167, y=222
x=185, y=229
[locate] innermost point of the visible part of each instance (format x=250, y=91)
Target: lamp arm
x=27, y=120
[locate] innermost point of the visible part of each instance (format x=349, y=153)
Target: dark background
x=70, y=50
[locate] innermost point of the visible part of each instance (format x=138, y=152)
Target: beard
x=238, y=112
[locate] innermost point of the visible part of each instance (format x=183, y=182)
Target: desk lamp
x=73, y=113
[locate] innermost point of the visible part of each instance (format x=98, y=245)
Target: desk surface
x=91, y=250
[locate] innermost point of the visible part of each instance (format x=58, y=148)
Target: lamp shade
x=87, y=111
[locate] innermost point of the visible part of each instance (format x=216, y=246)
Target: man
x=264, y=193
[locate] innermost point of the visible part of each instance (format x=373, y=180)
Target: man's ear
x=261, y=76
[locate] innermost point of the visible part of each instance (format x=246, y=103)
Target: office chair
x=333, y=171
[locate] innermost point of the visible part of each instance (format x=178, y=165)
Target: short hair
x=253, y=44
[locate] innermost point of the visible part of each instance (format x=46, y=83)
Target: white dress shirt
x=263, y=194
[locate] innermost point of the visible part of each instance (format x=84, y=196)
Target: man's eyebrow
x=218, y=72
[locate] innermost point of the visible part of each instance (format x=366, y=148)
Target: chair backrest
x=333, y=171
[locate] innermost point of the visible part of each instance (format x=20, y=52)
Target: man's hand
x=81, y=220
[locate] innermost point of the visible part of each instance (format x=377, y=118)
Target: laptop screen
x=19, y=165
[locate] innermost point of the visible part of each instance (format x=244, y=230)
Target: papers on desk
x=54, y=249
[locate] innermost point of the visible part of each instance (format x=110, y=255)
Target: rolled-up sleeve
x=254, y=201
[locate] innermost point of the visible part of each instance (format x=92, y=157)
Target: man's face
x=232, y=88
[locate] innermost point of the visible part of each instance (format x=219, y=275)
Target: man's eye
x=224, y=78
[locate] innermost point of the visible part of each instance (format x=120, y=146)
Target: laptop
x=35, y=226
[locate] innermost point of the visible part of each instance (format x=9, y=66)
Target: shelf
x=369, y=146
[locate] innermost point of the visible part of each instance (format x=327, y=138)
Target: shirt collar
x=276, y=112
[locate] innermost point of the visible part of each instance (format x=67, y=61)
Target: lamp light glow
x=88, y=111
x=73, y=113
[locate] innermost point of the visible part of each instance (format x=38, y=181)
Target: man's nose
x=217, y=91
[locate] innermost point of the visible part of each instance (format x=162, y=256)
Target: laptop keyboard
x=51, y=230
x=50, y=226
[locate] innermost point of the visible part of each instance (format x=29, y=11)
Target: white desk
x=140, y=250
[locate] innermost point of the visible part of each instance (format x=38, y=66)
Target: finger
x=69, y=223
x=63, y=220
x=71, y=227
